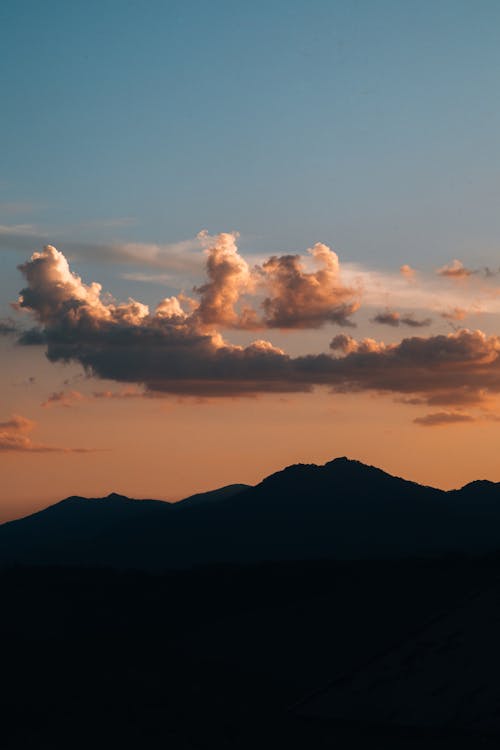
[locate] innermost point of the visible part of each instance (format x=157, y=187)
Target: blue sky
x=373, y=127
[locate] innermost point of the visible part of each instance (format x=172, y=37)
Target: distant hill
x=343, y=509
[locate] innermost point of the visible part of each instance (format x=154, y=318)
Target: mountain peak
x=480, y=484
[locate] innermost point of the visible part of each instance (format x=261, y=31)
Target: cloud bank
x=178, y=348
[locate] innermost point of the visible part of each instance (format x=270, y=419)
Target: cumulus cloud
x=168, y=349
x=293, y=297
x=228, y=278
x=455, y=270
x=463, y=359
x=442, y=418
x=395, y=319
x=299, y=299
x=348, y=345
x=15, y=437
x=175, y=350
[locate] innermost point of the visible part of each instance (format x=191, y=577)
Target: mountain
x=222, y=493
x=343, y=509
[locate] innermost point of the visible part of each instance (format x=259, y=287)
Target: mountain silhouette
x=343, y=509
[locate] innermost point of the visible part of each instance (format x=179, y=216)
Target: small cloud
x=456, y=313
x=63, y=398
x=409, y=320
x=395, y=319
x=388, y=318
x=14, y=438
x=455, y=270
x=8, y=327
x=407, y=271
x=441, y=418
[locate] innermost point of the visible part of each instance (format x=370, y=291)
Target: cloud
x=14, y=437
x=181, y=265
x=63, y=398
x=407, y=271
x=347, y=345
x=452, y=362
x=301, y=299
x=173, y=350
x=441, y=418
x=294, y=298
x=228, y=278
x=18, y=424
x=457, y=313
x=125, y=394
x=68, y=399
x=464, y=396
x=455, y=270
x=434, y=294
x=395, y=319
x=177, y=257
x=8, y=327
x=149, y=278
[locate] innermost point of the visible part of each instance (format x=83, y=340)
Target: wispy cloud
x=444, y=418
x=8, y=327
x=15, y=438
x=63, y=398
x=395, y=319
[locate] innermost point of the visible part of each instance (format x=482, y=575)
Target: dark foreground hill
x=342, y=510
x=242, y=657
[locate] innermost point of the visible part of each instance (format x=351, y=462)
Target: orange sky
x=169, y=448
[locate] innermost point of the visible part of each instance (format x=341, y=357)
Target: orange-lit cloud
x=294, y=298
x=171, y=350
x=63, y=398
x=455, y=270
x=457, y=313
x=14, y=437
x=299, y=299
x=407, y=271
x=18, y=423
x=228, y=278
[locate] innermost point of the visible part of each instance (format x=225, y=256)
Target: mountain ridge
x=343, y=508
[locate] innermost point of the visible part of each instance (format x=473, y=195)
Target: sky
x=236, y=236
